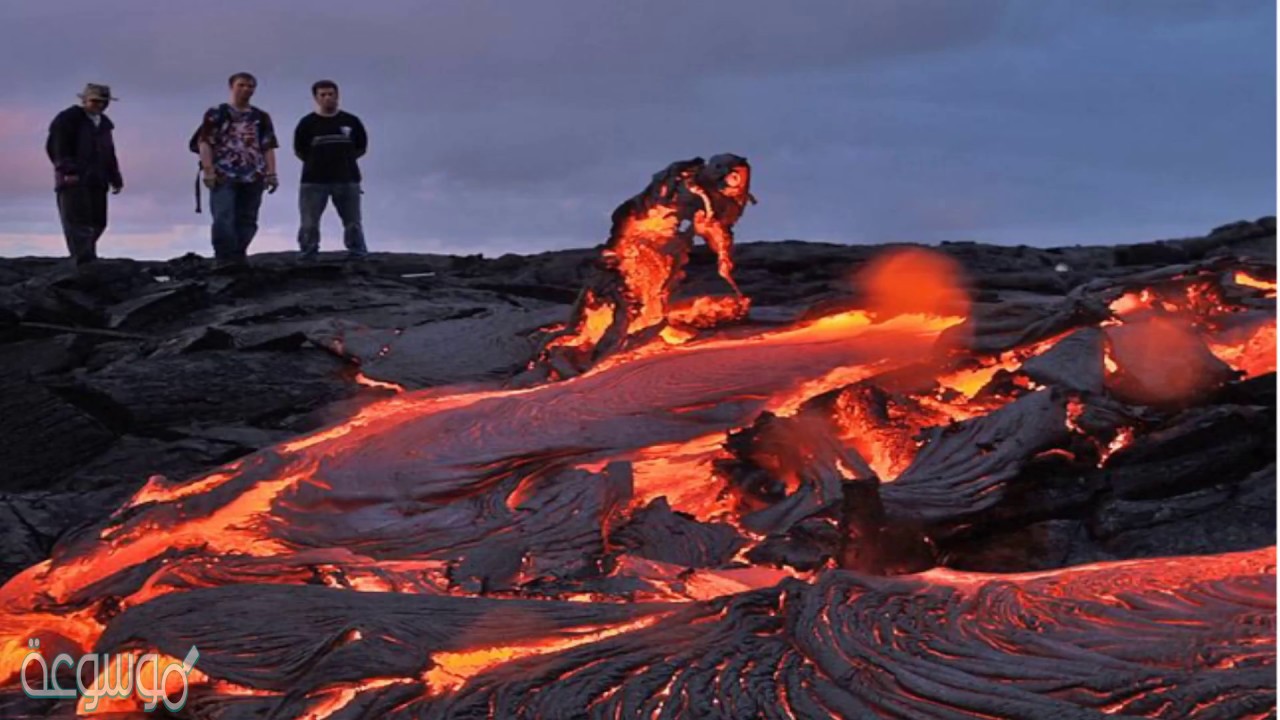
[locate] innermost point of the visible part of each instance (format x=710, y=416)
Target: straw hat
x=94, y=90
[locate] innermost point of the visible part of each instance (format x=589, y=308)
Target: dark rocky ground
x=144, y=368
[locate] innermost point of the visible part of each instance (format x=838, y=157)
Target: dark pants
x=83, y=211
x=312, y=199
x=234, y=206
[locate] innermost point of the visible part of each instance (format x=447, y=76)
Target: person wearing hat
x=83, y=154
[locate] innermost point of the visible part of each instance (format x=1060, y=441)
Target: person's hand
x=71, y=179
x=273, y=183
x=115, y=189
x=210, y=178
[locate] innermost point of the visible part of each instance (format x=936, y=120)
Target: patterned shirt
x=240, y=141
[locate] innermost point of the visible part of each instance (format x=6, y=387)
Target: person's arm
x=301, y=140
x=208, y=127
x=115, y=179
x=359, y=137
x=206, y=157
x=269, y=145
x=62, y=147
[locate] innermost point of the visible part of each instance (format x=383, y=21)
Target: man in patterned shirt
x=237, y=143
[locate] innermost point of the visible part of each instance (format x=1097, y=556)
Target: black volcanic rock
x=45, y=435
x=221, y=386
x=658, y=533
x=137, y=368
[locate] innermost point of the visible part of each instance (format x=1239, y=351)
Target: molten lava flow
x=530, y=493
x=1251, y=351
x=1247, y=280
x=648, y=268
x=1193, y=297
x=596, y=317
x=149, y=678
x=1124, y=438
x=707, y=312
x=367, y=381
x=681, y=472
x=882, y=429
x=329, y=703
x=309, y=492
x=451, y=669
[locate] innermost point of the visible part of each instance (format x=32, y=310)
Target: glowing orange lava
x=450, y=670
x=1247, y=280
x=865, y=382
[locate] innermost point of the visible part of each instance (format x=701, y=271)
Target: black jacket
x=329, y=147
x=76, y=147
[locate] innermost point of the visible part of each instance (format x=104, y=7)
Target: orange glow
x=712, y=584
x=597, y=316
x=451, y=670
x=1131, y=302
x=150, y=678
x=681, y=472
x=235, y=528
x=916, y=281
x=158, y=489
x=367, y=381
x=886, y=446
x=915, y=336
x=332, y=700
x=647, y=265
x=694, y=387
x=1123, y=439
x=1252, y=352
x=706, y=311
x=1082, y=580
x=1157, y=360
x=970, y=382
x=1247, y=280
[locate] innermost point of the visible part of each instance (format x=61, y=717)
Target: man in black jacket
x=329, y=141
x=84, y=166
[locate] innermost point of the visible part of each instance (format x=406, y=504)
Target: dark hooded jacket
x=76, y=147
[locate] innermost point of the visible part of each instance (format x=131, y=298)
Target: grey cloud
x=519, y=126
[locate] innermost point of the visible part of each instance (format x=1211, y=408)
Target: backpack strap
x=223, y=120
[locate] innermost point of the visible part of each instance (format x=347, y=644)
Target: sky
x=501, y=127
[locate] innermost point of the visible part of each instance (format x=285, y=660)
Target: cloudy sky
x=518, y=126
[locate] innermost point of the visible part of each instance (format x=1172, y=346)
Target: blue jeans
x=312, y=199
x=234, y=206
